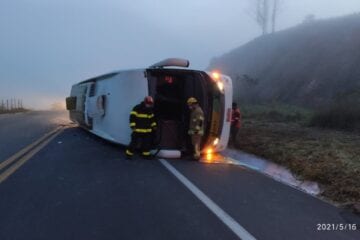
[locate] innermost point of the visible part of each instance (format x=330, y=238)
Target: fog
x=46, y=46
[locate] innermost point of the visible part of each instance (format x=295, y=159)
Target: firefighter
x=196, y=125
x=235, y=123
x=143, y=124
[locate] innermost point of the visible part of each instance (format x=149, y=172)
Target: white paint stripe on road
x=220, y=213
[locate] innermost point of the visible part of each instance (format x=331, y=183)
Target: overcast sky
x=48, y=45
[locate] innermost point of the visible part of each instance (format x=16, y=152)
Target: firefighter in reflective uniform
x=143, y=124
x=196, y=125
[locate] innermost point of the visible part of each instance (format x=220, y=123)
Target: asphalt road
x=78, y=186
x=20, y=129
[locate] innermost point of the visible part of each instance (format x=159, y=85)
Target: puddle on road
x=277, y=172
x=215, y=158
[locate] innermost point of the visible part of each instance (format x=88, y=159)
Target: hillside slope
x=312, y=64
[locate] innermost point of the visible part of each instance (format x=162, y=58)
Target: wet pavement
x=275, y=171
x=271, y=169
x=81, y=187
x=21, y=129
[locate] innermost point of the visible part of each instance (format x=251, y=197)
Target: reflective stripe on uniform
x=146, y=153
x=141, y=115
x=128, y=152
x=143, y=130
x=153, y=124
x=132, y=124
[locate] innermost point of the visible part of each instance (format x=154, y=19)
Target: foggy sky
x=48, y=45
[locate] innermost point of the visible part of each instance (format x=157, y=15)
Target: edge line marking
x=234, y=226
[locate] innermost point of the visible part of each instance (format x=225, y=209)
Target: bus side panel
x=122, y=92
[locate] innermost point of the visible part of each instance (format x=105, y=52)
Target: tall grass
x=337, y=118
x=277, y=113
x=343, y=114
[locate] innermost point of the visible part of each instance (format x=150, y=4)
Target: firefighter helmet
x=191, y=100
x=148, y=100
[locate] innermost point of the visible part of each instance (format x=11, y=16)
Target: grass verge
x=331, y=158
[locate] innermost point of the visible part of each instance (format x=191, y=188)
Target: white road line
x=220, y=213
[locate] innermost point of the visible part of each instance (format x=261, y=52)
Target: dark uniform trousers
x=143, y=125
x=144, y=140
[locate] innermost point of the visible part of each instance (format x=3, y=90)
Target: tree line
x=11, y=105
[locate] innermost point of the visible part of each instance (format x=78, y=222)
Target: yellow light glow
x=220, y=86
x=216, y=141
x=216, y=75
x=209, y=151
x=209, y=158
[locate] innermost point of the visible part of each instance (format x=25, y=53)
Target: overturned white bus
x=102, y=104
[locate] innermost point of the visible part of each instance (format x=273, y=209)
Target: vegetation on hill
x=308, y=65
x=316, y=67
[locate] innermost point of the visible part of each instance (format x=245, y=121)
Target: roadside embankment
x=329, y=157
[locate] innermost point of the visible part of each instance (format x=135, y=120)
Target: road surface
x=73, y=185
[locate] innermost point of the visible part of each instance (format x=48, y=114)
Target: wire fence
x=11, y=105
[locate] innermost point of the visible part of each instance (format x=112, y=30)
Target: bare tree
x=262, y=15
x=265, y=12
x=275, y=13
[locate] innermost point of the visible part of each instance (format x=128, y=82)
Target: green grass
x=331, y=158
x=338, y=117
x=277, y=113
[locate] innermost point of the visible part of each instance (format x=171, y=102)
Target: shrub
x=276, y=112
x=338, y=117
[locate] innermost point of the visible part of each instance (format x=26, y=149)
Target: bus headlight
x=216, y=75
x=220, y=85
